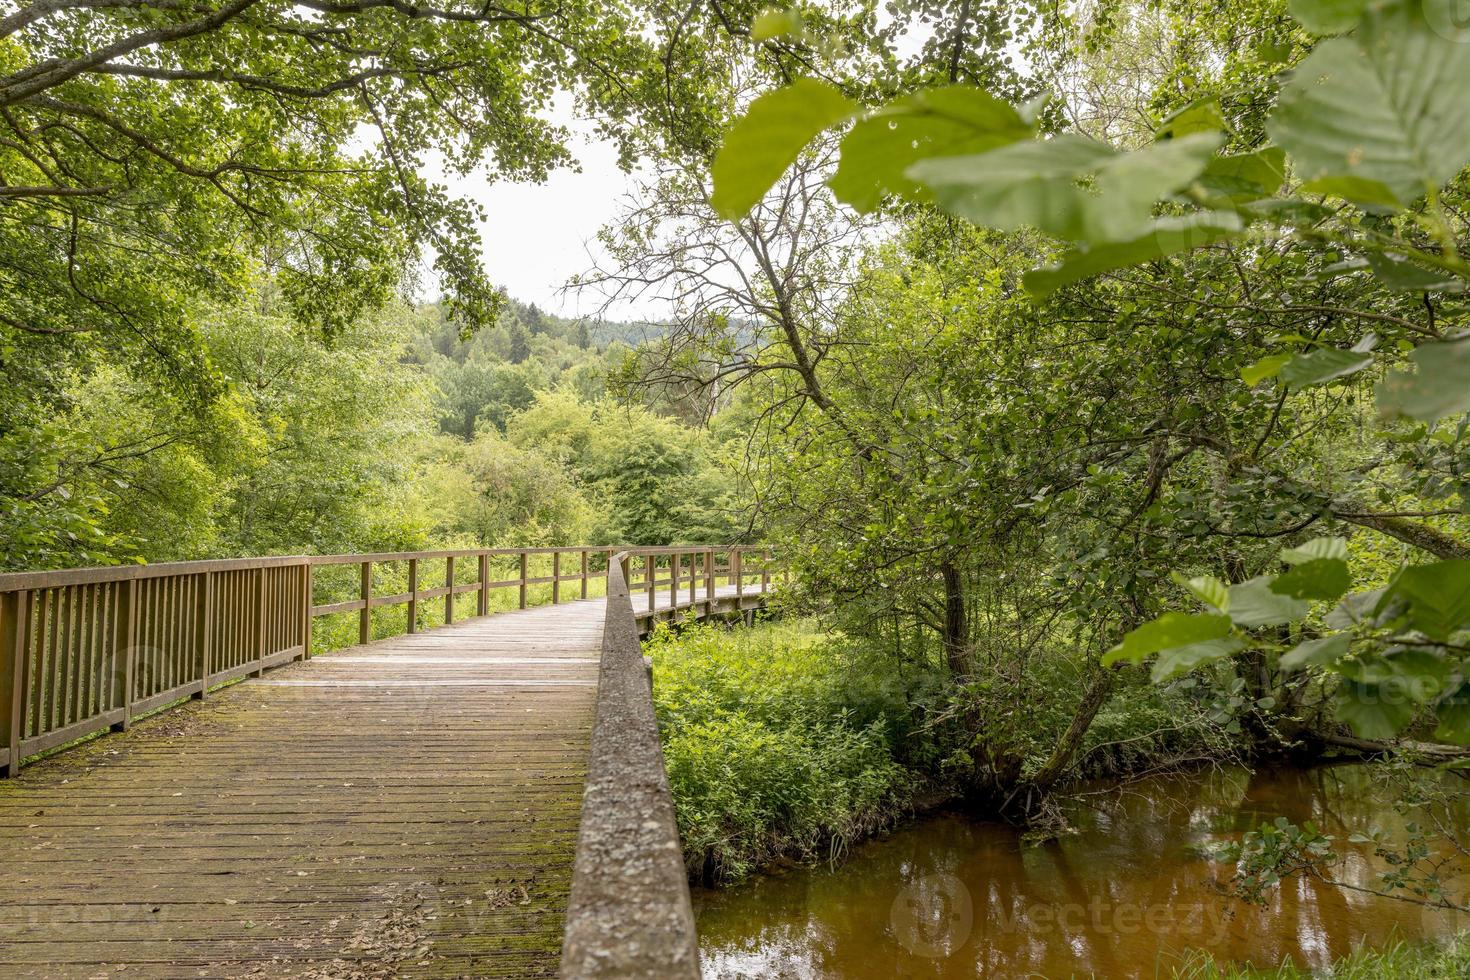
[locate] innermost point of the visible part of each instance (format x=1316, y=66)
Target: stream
x=1125, y=896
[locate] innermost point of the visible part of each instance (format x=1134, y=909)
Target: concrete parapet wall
x=630, y=913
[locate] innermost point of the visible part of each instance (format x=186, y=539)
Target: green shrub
x=780, y=742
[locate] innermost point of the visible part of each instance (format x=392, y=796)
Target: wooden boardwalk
x=406, y=808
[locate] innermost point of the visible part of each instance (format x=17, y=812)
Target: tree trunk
x=1093, y=699
x=956, y=636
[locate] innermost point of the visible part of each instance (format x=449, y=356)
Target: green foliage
x=300, y=451
x=1277, y=850
x=772, y=23
x=660, y=481
x=168, y=165
x=1321, y=366
x=1398, y=80
x=779, y=741
x=1321, y=652
x=158, y=153
x=1371, y=118
x=1328, y=16
x=324, y=445
x=497, y=494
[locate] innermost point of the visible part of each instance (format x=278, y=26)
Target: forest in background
x=399, y=432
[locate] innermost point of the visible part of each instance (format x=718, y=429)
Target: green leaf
x=1371, y=711
x=1440, y=387
x=1201, y=116
x=1173, y=629
x=1031, y=183
x=1036, y=184
x=1267, y=367
x=1396, y=272
x=1245, y=176
x=768, y=139
x=1384, y=105
x=1328, y=16
x=1369, y=194
x=1129, y=184
x=958, y=119
x=1320, y=578
x=1253, y=603
x=1436, y=597
x=1357, y=608
x=1321, y=366
x=1414, y=674
x=1321, y=652
x=1181, y=660
x=1315, y=549
x=774, y=22
x=1453, y=712
x=1207, y=589
x=1167, y=236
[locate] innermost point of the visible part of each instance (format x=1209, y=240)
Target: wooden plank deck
x=407, y=808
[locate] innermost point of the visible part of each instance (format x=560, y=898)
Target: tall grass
x=779, y=741
x=1449, y=960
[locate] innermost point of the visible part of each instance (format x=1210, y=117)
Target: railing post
x=365, y=614
x=308, y=581
x=205, y=617
x=673, y=581
x=709, y=578
x=482, y=605
x=735, y=566
x=555, y=577
x=14, y=632
x=524, y=567
x=765, y=570
x=650, y=572
x=584, y=574
x=125, y=640
x=259, y=621
x=413, y=595
x=449, y=584
x=693, y=578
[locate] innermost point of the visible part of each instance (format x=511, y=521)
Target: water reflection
x=952, y=898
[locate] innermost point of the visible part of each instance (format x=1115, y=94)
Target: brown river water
x=948, y=897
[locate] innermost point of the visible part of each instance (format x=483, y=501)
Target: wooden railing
x=85, y=650
x=690, y=578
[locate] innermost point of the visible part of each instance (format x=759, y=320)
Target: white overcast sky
x=537, y=236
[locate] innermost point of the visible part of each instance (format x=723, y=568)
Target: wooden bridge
x=411, y=804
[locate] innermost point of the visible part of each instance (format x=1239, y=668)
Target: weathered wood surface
x=406, y=808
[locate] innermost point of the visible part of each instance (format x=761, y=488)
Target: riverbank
x=787, y=744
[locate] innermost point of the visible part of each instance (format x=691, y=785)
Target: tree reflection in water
x=950, y=897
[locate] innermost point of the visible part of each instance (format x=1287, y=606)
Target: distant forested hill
x=399, y=431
